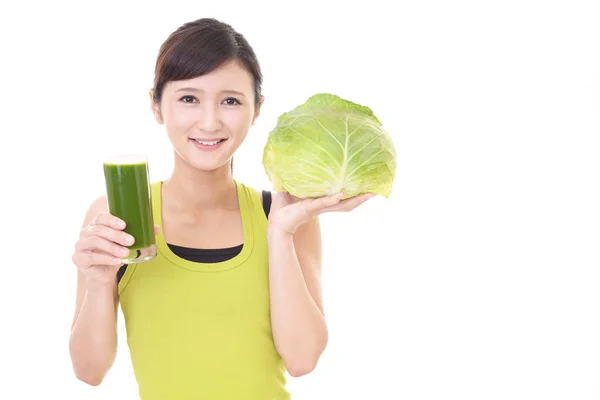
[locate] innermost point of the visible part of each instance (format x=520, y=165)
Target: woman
x=233, y=299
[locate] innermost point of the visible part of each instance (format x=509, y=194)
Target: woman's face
x=207, y=118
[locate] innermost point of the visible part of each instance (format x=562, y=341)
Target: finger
x=353, y=202
x=85, y=260
x=316, y=205
x=349, y=204
x=156, y=229
x=366, y=196
x=96, y=243
x=108, y=219
x=108, y=233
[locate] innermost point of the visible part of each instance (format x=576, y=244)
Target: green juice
x=129, y=198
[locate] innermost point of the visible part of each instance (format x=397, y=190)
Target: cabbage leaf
x=329, y=145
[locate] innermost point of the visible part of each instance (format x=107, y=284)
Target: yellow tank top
x=203, y=331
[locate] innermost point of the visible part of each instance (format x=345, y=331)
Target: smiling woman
x=211, y=112
x=234, y=293
x=181, y=75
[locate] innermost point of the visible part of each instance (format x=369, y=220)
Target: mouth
x=207, y=144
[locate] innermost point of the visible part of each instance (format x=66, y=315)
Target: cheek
x=178, y=120
x=239, y=122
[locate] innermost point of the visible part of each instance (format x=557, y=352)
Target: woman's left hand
x=289, y=212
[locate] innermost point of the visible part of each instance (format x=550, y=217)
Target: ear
x=257, y=109
x=155, y=107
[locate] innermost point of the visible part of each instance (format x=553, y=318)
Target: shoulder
x=97, y=206
x=265, y=196
x=253, y=189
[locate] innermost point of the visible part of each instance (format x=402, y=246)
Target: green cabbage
x=328, y=145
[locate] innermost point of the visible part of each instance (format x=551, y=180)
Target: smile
x=208, y=144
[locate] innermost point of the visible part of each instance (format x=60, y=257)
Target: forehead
x=230, y=76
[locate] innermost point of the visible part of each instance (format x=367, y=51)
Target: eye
x=231, y=101
x=188, y=99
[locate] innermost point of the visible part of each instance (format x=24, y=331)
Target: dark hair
x=199, y=47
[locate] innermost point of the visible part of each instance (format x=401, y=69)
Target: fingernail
x=117, y=261
x=130, y=239
x=124, y=251
x=121, y=224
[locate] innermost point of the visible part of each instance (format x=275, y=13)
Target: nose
x=209, y=120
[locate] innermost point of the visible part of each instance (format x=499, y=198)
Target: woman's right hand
x=101, y=246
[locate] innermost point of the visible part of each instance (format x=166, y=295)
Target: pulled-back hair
x=199, y=47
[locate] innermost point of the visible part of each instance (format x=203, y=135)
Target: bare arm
x=299, y=325
x=295, y=253
x=93, y=341
x=93, y=344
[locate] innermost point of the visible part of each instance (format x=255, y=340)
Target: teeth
x=208, y=143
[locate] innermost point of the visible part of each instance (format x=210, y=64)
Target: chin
x=208, y=165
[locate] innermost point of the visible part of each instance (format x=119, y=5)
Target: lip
x=208, y=139
x=204, y=147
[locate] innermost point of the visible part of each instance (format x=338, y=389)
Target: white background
x=477, y=279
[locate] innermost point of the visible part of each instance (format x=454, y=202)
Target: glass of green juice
x=130, y=199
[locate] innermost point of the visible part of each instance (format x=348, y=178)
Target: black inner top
x=209, y=255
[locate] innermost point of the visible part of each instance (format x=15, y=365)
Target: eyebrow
x=191, y=89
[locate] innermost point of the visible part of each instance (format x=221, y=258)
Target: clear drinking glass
x=130, y=199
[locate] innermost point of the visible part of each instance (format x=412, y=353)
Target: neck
x=191, y=189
